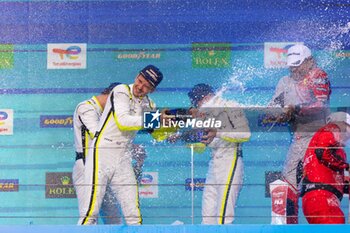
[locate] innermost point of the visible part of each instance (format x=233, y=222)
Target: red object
x=323, y=177
x=316, y=90
x=318, y=209
x=284, y=203
x=279, y=200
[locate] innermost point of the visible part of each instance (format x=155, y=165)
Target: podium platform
x=237, y=228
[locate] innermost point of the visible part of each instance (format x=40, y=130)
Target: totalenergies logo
x=71, y=52
x=276, y=53
x=3, y=117
x=281, y=52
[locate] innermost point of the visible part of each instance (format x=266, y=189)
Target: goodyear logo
x=198, y=184
x=9, y=185
x=59, y=185
x=142, y=55
x=6, y=56
x=59, y=121
x=211, y=55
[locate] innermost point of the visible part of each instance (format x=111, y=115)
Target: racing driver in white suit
x=225, y=174
x=85, y=121
x=109, y=161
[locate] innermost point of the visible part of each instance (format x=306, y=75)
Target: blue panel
x=170, y=21
x=180, y=229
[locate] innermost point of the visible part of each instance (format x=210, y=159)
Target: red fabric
x=326, y=168
x=330, y=168
x=322, y=207
x=317, y=90
x=284, y=203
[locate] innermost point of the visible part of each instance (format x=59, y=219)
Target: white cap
x=339, y=117
x=297, y=54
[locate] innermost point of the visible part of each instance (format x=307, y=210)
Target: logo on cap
x=152, y=75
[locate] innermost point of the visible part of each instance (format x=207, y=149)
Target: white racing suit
x=109, y=162
x=311, y=97
x=86, y=117
x=85, y=121
x=225, y=174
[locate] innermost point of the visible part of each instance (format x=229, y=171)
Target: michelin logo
x=151, y=120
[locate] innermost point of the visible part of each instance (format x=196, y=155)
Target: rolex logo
x=65, y=180
x=59, y=185
x=6, y=56
x=211, y=55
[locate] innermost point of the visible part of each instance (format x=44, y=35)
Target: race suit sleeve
x=88, y=116
x=277, y=103
x=319, y=87
x=330, y=153
x=121, y=103
x=235, y=126
x=277, y=99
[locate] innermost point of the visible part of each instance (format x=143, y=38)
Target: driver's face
x=142, y=87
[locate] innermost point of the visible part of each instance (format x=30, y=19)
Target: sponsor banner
x=270, y=177
x=59, y=185
x=279, y=194
x=149, y=185
x=139, y=55
x=211, y=55
x=275, y=54
x=9, y=185
x=264, y=121
x=342, y=54
x=198, y=184
x=6, y=56
x=56, y=121
x=6, y=121
x=66, y=56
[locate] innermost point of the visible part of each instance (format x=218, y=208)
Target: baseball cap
x=110, y=88
x=152, y=75
x=339, y=117
x=297, y=54
x=199, y=91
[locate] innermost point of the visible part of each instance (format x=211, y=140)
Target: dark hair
x=108, y=90
x=198, y=92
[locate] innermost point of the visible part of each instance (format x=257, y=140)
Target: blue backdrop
x=121, y=37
